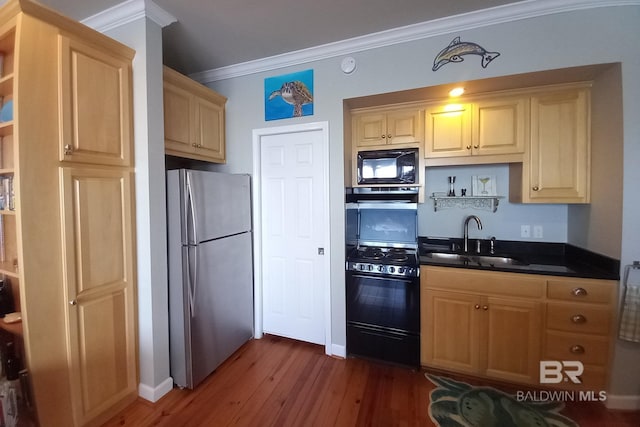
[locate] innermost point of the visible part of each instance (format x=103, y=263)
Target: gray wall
x=535, y=44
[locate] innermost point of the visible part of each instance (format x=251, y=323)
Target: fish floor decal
x=457, y=404
x=457, y=49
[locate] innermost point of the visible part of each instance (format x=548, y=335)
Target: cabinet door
x=404, y=127
x=179, y=114
x=210, y=138
x=560, y=158
x=448, y=130
x=499, y=126
x=95, y=91
x=450, y=330
x=99, y=285
x=513, y=336
x=370, y=129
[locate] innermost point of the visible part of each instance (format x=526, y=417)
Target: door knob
x=320, y=251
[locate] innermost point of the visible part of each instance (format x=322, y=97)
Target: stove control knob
x=381, y=268
x=392, y=270
x=361, y=266
x=400, y=270
x=370, y=267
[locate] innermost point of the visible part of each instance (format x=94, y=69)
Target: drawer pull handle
x=579, y=292
x=578, y=318
x=577, y=349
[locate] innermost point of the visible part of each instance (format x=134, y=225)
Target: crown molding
x=457, y=23
x=126, y=12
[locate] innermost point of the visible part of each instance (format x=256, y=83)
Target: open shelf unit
x=489, y=203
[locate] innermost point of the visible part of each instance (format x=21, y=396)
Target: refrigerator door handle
x=193, y=277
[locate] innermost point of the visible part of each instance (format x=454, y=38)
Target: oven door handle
x=401, y=279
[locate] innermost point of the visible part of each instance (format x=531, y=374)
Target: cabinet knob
x=194, y=145
x=477, y=306
x=384, y=136
x=536, y=188
x=579, y=292
x=578, y=318
x=68, y=149
x=576, y=349
x=389, y=136
x=476, y=146
x=73, y=302
x=485, y=307
x=468, y=147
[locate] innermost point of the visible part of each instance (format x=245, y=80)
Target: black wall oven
x=382, y=282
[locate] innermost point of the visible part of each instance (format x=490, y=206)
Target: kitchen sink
x=480, y=260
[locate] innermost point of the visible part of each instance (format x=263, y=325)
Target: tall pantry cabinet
x=68, y=246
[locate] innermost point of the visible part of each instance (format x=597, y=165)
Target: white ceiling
x=210, y=34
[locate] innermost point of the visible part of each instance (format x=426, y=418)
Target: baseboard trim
x=338, y=350
x=153, y=394
x=623, y=402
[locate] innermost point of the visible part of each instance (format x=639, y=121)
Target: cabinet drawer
x=582, y=318
x=482, y=282
x=588, y=349
x=580, y=290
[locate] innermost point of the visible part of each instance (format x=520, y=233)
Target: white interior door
x=292, y=232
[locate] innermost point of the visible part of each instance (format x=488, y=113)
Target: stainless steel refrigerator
x=210, y=270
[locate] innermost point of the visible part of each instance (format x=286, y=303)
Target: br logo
x=555, y=372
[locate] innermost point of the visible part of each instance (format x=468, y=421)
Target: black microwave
x=397, y=166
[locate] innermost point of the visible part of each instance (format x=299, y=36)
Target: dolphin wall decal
x=457, y=49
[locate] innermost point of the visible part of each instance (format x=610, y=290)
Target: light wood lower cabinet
x=479, y=334
x=99, y=286
x=580, y=321
x=501, y=325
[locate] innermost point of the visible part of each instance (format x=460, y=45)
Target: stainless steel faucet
x=466, y=230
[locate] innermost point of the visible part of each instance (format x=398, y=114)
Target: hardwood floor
x=280, y=382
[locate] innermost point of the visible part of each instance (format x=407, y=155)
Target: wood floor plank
x=281, y=382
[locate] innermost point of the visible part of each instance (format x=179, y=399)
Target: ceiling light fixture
x=456, y=91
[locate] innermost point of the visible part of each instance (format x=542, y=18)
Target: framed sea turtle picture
x=288, y=95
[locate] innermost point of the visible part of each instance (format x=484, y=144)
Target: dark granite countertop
x=557, y=259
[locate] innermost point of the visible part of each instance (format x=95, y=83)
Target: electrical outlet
x=537, y=231
x=525, y=231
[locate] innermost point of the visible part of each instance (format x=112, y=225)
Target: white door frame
x=257, y=221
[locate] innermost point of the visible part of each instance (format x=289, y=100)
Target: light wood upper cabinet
x=95, y=88
x=499, y=126
x=492, y=126
x=448, y=130
x=558, y=168
x=387, y=126
x=194, y=119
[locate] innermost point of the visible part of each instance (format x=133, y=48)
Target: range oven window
x=388, y=166
x=389, y=303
